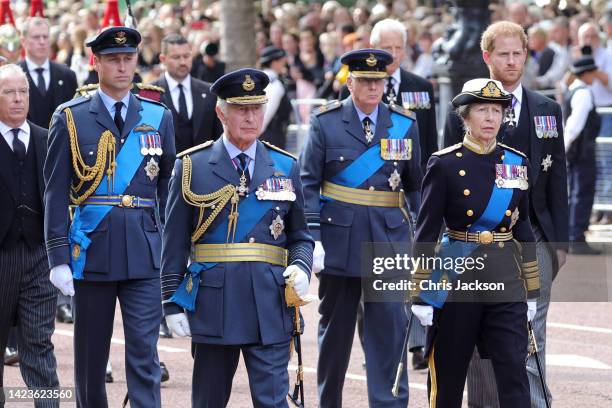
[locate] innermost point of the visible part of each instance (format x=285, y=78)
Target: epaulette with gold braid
x=327, y=107
x=447, y=150
x=149, y=87
x=85, y=90
x=402, y=111
x=512, y=149
x=278, y=149
x=195, y=148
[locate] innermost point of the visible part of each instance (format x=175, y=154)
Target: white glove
x=179, y=324
x=300, y=280
x=61, y=278
x=424, y=313
x=532, y=308
x=318, y=257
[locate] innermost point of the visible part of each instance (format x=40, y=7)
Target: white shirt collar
x=518, y=94
x=397, y=76
x=233, y=151
x=32, y=66
x=173, y=83
x=109, y=101
x=25, y=128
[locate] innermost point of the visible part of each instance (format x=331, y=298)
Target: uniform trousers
x=94, y=314
x=482, y=390
x=498, y=328
x=215, y=365
x=28, y=298
x=384, y=325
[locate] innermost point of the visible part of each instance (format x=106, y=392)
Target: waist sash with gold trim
x=241, y=252
x=362, y=197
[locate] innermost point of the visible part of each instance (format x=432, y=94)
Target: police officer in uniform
x=582, y=126
x=479, y=190
x=273, y=61
x=110, y=157
x=236, y=211
x=361, y=160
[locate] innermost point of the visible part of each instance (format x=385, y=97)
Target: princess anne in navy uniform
x=479, y=190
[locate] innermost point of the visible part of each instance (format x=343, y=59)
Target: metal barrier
x=298, y=131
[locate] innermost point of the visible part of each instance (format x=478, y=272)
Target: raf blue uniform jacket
x=127, y=243
x=336, y=139
x=237, y=302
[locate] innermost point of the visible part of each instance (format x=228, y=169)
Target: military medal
x=546, y=127
x=546, y=162
x=396, y=149
x=242, y=188
x=158, y=148
x=394, y=179
x=144, y=150
x=511, y=176
x=369, y=134
x=277, y=227
x=276, y=189
x=152, y=169
x=514, y=217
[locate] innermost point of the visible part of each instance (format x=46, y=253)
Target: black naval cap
x=242, y=87
x=271, y=53
x=367, y=63
x=115, y=40
x=482, y=90
x=582, y=65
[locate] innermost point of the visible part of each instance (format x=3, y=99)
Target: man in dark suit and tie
x=533, y=125
x=51, y=84
x=189, y=99
x=26, y=295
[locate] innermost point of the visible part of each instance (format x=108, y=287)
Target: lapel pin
x=60, y=82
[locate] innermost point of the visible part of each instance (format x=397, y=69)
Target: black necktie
x=390, y=92
x=42, y=87
x=183, y=113
x=118, y=117
x=244, y=167
x=19, y=148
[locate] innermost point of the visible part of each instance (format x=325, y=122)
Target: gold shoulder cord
x=106, y=153
x=215, y=200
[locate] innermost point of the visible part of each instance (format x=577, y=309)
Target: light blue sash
x=449, y=248
x=251, y=211
x=369, y=162
x=86, y=219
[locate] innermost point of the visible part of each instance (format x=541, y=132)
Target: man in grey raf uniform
x=236, y=212
x=110, y=157
x=361, y=160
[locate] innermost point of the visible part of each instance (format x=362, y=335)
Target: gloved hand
x=179, y=324
x=297, y=278
x=424, y=313
x=532, y=308
x=318, y=257
x=61, y=278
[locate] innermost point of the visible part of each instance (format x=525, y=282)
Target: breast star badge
x=152, y=169
x=394, y=179
x=546, y=162
x=277, y=227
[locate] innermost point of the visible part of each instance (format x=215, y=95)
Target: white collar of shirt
x=175, y=92
x=373, y=116
x=397, y=77
x=24, y=133
x=233, y=151
x=518, y=94
x=46, y=66
x=109, y=102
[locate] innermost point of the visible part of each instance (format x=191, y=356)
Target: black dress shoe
x=583, y=248
x=11, y=356
x=418, y=359
x=164, y=330
x=64, y=314
x=109, y=374
x=165, y=375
